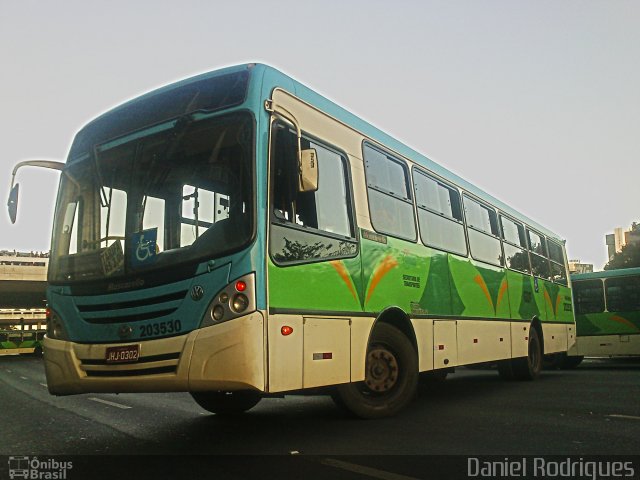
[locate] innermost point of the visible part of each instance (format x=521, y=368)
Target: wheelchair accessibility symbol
x=143, y=245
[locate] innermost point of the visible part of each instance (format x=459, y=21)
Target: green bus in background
x=14, y=341
x=607, y=308
x=236, y=235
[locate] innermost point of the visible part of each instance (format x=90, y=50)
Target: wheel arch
x=398, y=318
x=537, y=324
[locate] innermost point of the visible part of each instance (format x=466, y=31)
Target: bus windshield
x=175, y=193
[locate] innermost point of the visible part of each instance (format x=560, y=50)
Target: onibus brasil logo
x=38, y=469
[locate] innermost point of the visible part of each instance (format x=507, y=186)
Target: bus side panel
x=285, y=353
x=483, y=341
x=608, y=323
x=608, y=345
x=423, y=329
x=519, y=339
x=327, y=351
x=558, y=302
x=478, y=289
x=555, y=338
x=328, y=286
x=405, y=275
x=522, y=297
x=445, y=345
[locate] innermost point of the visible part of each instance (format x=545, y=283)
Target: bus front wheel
x=391, y=376
x=227, y=403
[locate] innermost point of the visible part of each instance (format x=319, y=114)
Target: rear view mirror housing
x=12, y=203
x=308, y=170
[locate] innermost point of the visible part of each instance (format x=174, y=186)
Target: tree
x=628, y=257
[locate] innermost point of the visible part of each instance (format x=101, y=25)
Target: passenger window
x=588, y=296
x=439, y=215
x=515, y=255
x=390, y=202
x=480, y=217
x=558, y=268
x=537, y=243
x=513, y=232
x=623, y=294
x=540, y=266
x=482, y=223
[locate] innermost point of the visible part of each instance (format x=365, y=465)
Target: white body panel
x=228, y=356
x=555, y=338
x=607, y=345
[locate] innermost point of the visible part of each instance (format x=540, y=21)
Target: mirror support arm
x=12, y=203
x=52, y=164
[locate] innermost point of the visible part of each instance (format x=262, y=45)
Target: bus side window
x=588, y=296
x=309, y=217
x=390, y=201
x=539, y=256
x=482, y=228
x=623, y=294
x=558, y=267
x=515, y=245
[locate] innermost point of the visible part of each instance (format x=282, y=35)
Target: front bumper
x=228, y=356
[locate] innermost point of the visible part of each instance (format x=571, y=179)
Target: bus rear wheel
x=391, y=376
x=529, y=367
x=525, y=368
x=227, y=403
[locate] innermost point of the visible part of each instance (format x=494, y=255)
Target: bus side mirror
x=308, y=171
x=12, y=203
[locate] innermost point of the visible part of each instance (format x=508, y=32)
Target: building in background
x=575, y=266
x=619, y=238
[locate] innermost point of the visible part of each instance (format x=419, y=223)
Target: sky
x=536, y=102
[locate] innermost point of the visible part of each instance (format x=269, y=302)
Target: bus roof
x=620, y=272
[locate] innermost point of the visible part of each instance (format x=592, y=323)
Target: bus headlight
x=55, y=328
x=236, y=299
x=240, y=303
x=217, y=313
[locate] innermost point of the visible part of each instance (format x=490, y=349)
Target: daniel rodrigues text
x=539, y=467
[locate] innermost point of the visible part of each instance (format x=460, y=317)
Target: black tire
x=525, y=368
x=37, y=352
x=569, y=363
x=227, y=403
x=391, y=376
x=529, y=367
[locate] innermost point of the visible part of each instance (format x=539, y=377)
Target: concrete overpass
x=23, y=280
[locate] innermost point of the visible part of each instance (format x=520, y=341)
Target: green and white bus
x=607, y=306
x=16, y=341
x=237, y=235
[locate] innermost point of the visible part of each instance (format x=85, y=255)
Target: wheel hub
x=382, y=370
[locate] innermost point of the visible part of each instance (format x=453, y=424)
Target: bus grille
x=149, y=365
x=126, y=311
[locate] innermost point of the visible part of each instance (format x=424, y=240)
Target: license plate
x=123, y=354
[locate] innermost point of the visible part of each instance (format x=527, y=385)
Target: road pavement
x=592, y=410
